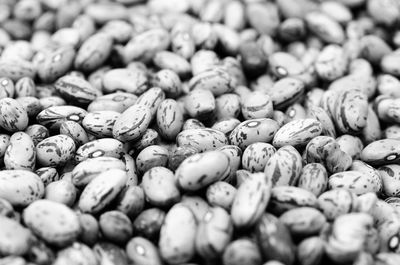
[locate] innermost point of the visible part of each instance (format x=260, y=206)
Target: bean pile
x=234, y=132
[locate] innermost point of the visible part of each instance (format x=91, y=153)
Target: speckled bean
x=200, y=170
x=53, y=222
x=55, y=150
x=101, y=147
x=101, y=190
x=20, y=153
x=177, y=236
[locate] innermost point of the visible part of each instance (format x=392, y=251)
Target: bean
x=131, y=201
x=145, y=45
x=351, y=111
x=109, y=252
x=89, y=229
x=202, y=110
x=284, y=166
x=202, y=139
x=381, y=152
x=227, y=105
x=55, y=63
x=150, y=157
x=310, y=250
x=254, y=130
x=303, y=221
x=242, y=251
x=172, y=61
x=355, y=181
x=17, y=242
x=331, y=63
x=256, y=156
x=115, y=226
x=214, y=233
x=234, y=153
x=351, y=145
x=17, y=69
x=118, y=101
x=55, y=150
x=101, y=190
x=200, y=170
x=159, y=187
x=314, y=178
x=53, y=222
x=31, y=105
x=14, y=117
x=141, y=251
x=169, y=119
x=332, y=32
x=148, y=223
x=20, y=153
x=389, y=175
x=347, y=230
x=297, y=132
x=98, y=148
x=284, y=198
x=286, y=91
x=90, y=55
x=125, y=80
x=193, y=124
x=62, y=191
x=336, y=202
x=7, y=88
x=139, y=123
x=168, y=81
x=177, y=236
x=226, y=125
x=274, y=239
x=78, y=252
x=77, y=89
x=53, y=117
x=221, y=194
x=251, y=199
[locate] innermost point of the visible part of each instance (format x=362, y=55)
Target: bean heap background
x=199, y=132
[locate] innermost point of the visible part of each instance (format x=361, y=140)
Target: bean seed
x=141, y=252
x=101, y=190
x=284, y=198
x=297, y=132
x=91, y=55
x=14, y=117
x=214, y=233
x=78, y=252
x=177, y=236
x=284, y=166
x=115, y=226
x=159, y=186
x=254, y=130
x=73, y=88
x=242, y=251
x=274, y=239
x=314, y=178
x=251, y=199
x=148, y=223
x=200, y=170
x=109, y=252
x=303, y=221
x=20, y=153
x=55, y=150
x=131, y=201
x=53, y=222
x=381, y=152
